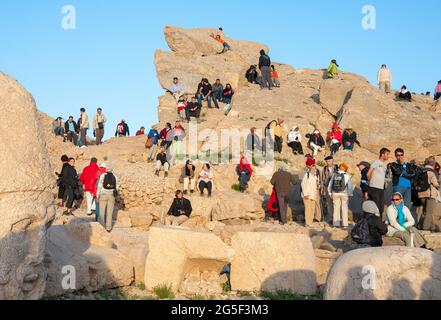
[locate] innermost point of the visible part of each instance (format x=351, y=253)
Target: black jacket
x=126, y=130
x=180, y=207
x=351, y=138
x=162, y=157
x=66, y=127
x=264, y=61
x=377, y=229
x=364, y=183
x=397, y=172
x=69, y=177
x=319, y=141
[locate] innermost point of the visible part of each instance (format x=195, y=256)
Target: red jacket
x=89, y=178
x=336, y=135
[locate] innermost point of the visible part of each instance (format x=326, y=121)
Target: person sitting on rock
x=206, y=177
x=162, y=163
x=333, y=70
x=217, y=94
x=122, y=130
x=405, y=94
x=244, y=173
x=71, y=130
x=204, y=92
x=251, y=75
x=182, y=107
x=193, y=109
x=188, y=177
x=376, y=227
x=401, y=223
x=180, y=210
x=227, y=97
x=437, y=93
x=140, y=132
x=275, y=76
x=350, y=139
x=295, y=141
x=58, y=127
x=335, y=139
x=316, y=142
x=177, y=89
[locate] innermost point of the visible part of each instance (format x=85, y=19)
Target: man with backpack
x=326, y=176
x=122, y=130
x=370, y=229
x=402, y=175
x=426, y=184
x=152, y=144
x=89, y=179
x=106, y=194
x=340, y=189
x=377, y=179
x=265, y=69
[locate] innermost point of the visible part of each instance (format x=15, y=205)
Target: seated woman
x=335, y=139
x=316, y=142
x=244, y=172
x=188, y=177
x=401, y=223
x=182, y=107
x=227, y=97
x=295, y=141
x=349, y=139
x=206, y=180
x=180, y=210
x=58, y=127
x=405, y=94
x=251, y=75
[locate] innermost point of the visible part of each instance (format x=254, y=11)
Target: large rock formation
x=26, y=200
x=392, y=273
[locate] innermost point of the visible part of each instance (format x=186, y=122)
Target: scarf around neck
x=401, y=216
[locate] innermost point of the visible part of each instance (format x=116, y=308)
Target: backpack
x=109, y=182
x=360, y=234
x=149, y=142
x=338, y=182
x=421, y=181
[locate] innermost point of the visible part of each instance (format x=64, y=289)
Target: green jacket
x=332, y=70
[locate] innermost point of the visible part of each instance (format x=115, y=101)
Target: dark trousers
x=69, y=195
x=429, y=209
x=267, y=80
x=206, y=185
x=278, y=144
x=437, y=95
x=217, y=96
x=334, y=148
x=72, y=137
x=283, y=199
x=377, y=196
x=201, y=98
x=296, y=147
x=83, y=134
x=99, y=134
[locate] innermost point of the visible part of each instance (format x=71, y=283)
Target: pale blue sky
x=108, y=60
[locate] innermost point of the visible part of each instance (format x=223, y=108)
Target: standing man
x=402, y=176
x=276, y=133
x=428, y=195
x=89, y=179
x=98, y=125
x=265, y=69
x=384, y=79
x=326, y=177
x=377, y=179
x=106, y=194
x=283, y=182
x=69, y=180
x=84, y=126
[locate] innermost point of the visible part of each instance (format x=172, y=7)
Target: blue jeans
x=59, y=131
x=407, y=195
x=217, y=96
x=201, y=98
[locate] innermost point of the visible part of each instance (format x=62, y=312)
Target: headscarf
x=400, y=209
x=244, y=164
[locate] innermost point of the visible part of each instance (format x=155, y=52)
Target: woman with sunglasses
x=401, y=223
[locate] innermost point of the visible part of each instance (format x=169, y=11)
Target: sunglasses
x=399, y=155
x=396, y=200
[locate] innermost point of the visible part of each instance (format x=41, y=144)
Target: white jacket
x=392, y=220
x=310, y=187
x=384, y=75
x=349, y=191
x=294, y=136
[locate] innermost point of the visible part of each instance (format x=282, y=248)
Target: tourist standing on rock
x=364, y=168
x=401, y=223
x=180, y=210
x=333, y=70
x=405, y=94
x=227, y=97
x=58, y=127
x=403, y=174
x=265, y=69
x=283, y=182
x=61, y=187
x=89, y=178
x=326, y=177
x=376, y=228
x=350, y=139
x=122, y=129
x=335, y=138
x=340, y=189
x=69, y=180
x=166, y=135
x=204, y=92
x=178, y=140
x=384, y=79
x=152, y=144
x=252, y=74
x=244, y=172
x=295, y=141
x=71, y=129
x=84, y=126
x=193, y=109
x=311, y=196
x=274, y=133
x=177, y=89
x=162, y=163
x=140, y=132
x=275, y=76
x=107, y=192
x=316, y=142
x=188, y=177
x=427, y=184
x=377, y=179
x=217, y=94
x=206, y=177
x=437, y=91
x=99, y=122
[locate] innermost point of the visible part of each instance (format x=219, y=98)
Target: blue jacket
x=155, y=134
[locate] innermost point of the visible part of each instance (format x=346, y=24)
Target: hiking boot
x=157, y=173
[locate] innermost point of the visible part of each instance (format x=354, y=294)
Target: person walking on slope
x=283, y=183
x=107, y=191
x=89, y=179
x=384, y=79
x=61, y=187
x=377, y=179
x=265, y=69
x=99, y=121
x=84, y=126
x=311, y=196
x=333, y=70
x=69, y=180
x=340, y=189
x=122, y=129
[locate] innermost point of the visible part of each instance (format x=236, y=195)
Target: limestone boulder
x=185, y=259
x=26, y=198
x=334, y=94
x=392, y=273
x=272, y=262
x=325, y=261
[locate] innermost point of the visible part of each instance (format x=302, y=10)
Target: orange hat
x=344, y=167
